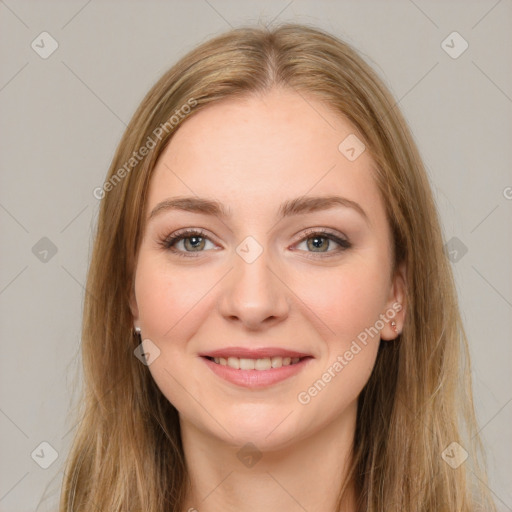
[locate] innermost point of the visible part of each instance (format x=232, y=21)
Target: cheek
x=168, y=299
x=346, y=304
x=172, y=304
x=346, y=300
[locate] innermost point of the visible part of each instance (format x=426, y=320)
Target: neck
x=305, y=474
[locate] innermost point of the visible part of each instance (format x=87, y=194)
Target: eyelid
x=333, y=235
x=321, y=231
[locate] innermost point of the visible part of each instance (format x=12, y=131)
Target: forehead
x=253, y=153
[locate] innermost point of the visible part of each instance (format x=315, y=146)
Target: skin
x=251, y=154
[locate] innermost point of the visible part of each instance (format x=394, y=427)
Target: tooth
x=263, y=364
x=234, y=362
x=246, y=364
x=277, y=362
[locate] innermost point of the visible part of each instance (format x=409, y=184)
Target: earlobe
x=396, y=306
x=135, y=313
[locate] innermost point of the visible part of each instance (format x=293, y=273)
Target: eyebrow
x=297, y=206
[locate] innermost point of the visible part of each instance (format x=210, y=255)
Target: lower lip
x=256, y=378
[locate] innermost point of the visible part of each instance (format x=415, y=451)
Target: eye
x=193, y=239
x=319, y=240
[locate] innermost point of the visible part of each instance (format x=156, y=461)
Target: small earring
x=393, y=325
x=136, y=331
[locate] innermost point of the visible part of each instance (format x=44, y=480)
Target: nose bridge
x=253, y=292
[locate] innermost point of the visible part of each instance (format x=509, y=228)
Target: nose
x=254, y=294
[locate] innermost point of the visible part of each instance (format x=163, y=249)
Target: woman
x=271, y=322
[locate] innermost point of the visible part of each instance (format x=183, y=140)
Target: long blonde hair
x=127, y=452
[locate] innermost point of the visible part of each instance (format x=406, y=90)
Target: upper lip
x=253, y=353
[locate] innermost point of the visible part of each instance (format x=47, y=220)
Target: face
x=277, y=272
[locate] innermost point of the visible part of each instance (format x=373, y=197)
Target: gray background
x=63, y=116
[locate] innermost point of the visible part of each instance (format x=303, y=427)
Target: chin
x=268, y=431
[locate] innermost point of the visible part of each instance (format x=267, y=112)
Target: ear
x=396, y=306
x=133, y=305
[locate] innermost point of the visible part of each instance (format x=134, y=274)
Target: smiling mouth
x=265, y=363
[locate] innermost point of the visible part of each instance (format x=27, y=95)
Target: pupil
x=194, y=241
x=317, y=242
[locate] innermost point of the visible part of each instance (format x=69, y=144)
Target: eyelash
x=168, y=242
